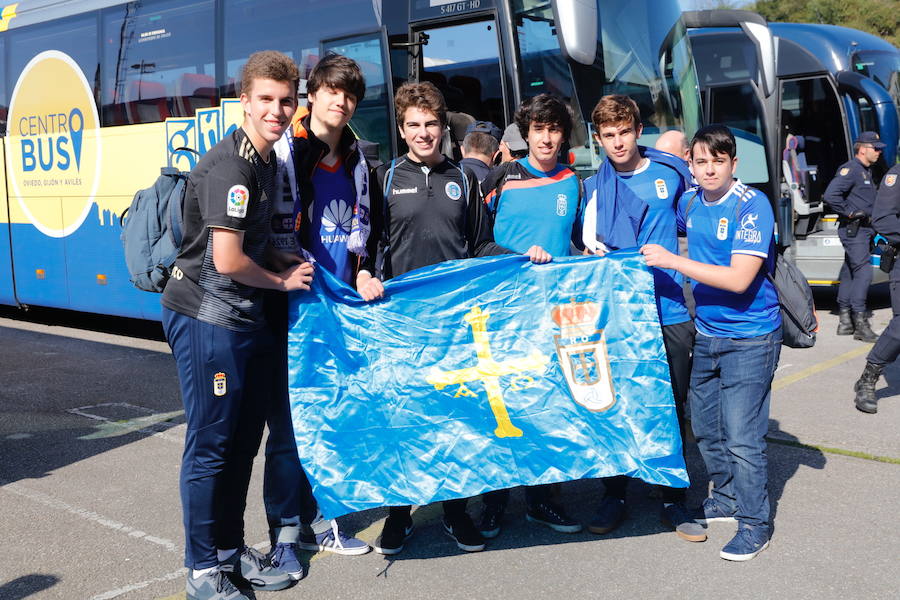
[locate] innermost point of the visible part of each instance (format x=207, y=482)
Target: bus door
x=462, y=58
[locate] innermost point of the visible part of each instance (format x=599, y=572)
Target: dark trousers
x=223, y=375
x=887, y=348
x=287, y=494
x=679, y=343
x=856, y=272
x=452, y=509
x=534, y=495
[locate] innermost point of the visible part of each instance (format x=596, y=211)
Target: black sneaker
x=609, y=515
x=490, y=521
x=553, y=516
x=463, y=531
x=393, y=535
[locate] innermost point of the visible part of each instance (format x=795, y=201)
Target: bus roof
x=831, y=43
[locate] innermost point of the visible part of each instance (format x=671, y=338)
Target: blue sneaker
x=746, y=543
x=676, y=516
x=333, y=540
x=712, y=512
x=250, y=567
x=609, y=515
x=284, y=558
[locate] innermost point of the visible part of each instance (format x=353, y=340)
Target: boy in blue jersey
x=320, y=212
x=730, y=231
x=631, y=201
x=535, y=201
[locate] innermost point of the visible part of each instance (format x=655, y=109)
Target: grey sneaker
x=212, y=586
x=251, y=567
x=677, y=517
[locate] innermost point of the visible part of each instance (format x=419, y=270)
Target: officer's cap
x=513, y=139
x=484, y=127
x=870, y=137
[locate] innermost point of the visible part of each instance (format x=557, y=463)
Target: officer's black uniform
x=852, y=192
x=886, y=221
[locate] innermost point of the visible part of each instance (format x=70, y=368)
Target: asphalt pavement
x=91, y=427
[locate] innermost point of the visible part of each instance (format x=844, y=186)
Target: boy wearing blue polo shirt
x=631, y=201
x=730, y=231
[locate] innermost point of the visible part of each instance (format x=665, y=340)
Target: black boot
x=845, y=324
x=862, y=330
x=865, y=389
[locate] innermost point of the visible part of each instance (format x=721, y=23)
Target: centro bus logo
x=53, y=143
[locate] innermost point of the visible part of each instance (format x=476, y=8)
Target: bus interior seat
x=146, y=101
x=801, y=179
x=457, y=123
x=193, y=91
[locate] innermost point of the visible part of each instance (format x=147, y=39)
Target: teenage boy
x=730, y=231
x=535, y=200
x=647, y=184
x=323, y=210
x=213, y=318
x=434, y=213
x=851, y=194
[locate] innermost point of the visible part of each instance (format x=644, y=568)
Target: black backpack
x=151, y=235
x=799, y=323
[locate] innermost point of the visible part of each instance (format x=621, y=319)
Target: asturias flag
x=481, y=374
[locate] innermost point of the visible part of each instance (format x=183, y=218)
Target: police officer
x=886, y=221
x=851, y=194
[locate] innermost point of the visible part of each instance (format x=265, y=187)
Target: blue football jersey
x=741, y=222
x=661, y=187
x=535, y=208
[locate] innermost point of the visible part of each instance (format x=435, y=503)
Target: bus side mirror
x=576, y=26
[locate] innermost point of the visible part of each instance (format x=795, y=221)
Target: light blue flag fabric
x=481, y=374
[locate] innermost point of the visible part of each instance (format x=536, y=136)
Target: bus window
x=739, y=106
x=371, y=121
x=681, y=79
x=296, y=28
x=810, y=108
x=159, y=61
x=76, y=36
x=463, y=61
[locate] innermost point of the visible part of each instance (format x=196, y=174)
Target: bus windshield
x=883, y=67
x=642, y=52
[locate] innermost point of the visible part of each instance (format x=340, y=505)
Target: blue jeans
x=731, y=385
x=223, y=375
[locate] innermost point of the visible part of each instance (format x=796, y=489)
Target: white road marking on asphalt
x=140, y=585
x=162, y=578
x=46, y=500
x=19, y=436
x=146, y=424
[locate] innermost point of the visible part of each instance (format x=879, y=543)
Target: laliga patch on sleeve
x=238, y=199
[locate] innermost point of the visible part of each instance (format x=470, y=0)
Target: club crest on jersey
x=219, y=384
x=844, y=171
x=453, y=191
x=890, y=180
x=562, y=206
x=662, y=192
x=238, y=198
x=722, y=229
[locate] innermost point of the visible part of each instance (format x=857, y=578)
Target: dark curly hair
x=546, y=109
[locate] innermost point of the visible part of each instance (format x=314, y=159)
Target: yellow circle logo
x=53, y=143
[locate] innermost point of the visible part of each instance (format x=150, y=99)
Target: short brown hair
x=337, y=72
x=613, y=109
x=269, y=64
x=424, y=96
